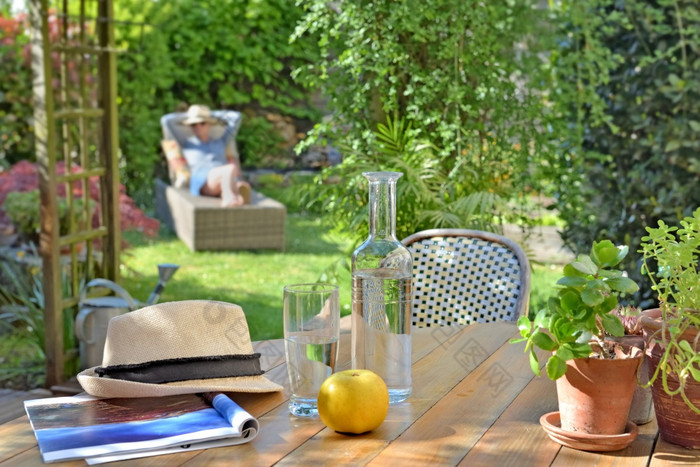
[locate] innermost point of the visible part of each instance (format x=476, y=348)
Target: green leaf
x=592, y=296
x=534, y=363
x=555, y=367
x=569, y=302
x=564, y=330
x=685, y=346
x=583, y=339
x=542, y=319
x=613, y=325
x=564, y=353
x=696, y=373
x=580, y=350
x=570, y=271
x=608, y=304
x=524, y=326
x=622, y=284
x=543, y=341
x=572, y=281
x=611, y=256
x=585, y=265
x=672, y=145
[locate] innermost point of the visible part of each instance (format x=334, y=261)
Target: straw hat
x=198, y=114
x=177, y=348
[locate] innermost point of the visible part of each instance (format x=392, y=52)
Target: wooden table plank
x=266, y=450
x=434, y=376
x=268, y=447
x=635, y=454
x=461, y=418
x=474, y=402
x=17, y=436
x=12, y=402
x=666, y=454
x=517, y=438
x=32, y=458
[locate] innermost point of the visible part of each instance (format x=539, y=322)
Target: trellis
x=75, y=112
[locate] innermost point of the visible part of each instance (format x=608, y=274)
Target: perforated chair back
x=467, y=276
x=182, y=132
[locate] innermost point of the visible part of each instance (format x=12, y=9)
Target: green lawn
x=251, y=279
x=254, y=279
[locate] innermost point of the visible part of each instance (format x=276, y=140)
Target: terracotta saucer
x=551, y=422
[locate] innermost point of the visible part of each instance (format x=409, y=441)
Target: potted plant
x=641, y=411
x=670, y=260
x=595, y=377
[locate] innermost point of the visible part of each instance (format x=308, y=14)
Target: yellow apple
x=353, y=401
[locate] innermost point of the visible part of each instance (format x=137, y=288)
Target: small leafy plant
x=577, y=318
x=22, y=207
x=631, y=322
x=676, y=281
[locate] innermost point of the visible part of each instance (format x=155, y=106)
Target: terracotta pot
x=642, y=408
x=651, y=325
x=595, y=394
x=678, y=424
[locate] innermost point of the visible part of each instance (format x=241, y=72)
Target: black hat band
x=185, y=369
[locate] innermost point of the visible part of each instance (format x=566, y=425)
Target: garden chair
x=200, y=221
x=467, y=276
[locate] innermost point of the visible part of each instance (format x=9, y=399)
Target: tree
x=453, y=84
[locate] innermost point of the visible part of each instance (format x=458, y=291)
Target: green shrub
x=233, y=55
x=23, y=210
x=630, y=89
x=16, y=110
x=259, y=144
x=452, y=83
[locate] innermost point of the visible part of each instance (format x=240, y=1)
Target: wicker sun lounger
x=203, y=224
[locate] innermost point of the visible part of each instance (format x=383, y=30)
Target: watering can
x=95, y=313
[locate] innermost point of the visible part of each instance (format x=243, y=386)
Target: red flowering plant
x=16, y=97
x=23, y=178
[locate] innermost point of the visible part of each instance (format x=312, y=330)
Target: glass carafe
x=381, y=293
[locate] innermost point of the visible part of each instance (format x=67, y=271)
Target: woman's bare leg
x=244, y=190
x=221, y=181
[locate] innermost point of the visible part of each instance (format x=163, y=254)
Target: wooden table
x=475, y=402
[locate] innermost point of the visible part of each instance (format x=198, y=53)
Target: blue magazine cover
x=105, y=430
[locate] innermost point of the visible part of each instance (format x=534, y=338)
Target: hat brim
x=192, y=120
x=110, y=387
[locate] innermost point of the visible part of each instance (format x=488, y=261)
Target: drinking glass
x=311, y=331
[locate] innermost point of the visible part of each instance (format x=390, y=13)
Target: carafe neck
x=382, y=204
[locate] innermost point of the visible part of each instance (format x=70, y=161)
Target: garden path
x=544, y=245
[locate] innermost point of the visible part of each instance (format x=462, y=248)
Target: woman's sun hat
x=198, y=114
x=177, y=348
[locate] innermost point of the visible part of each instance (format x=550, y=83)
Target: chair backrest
x=175, y=135
x=182, y=132
x=467, y=276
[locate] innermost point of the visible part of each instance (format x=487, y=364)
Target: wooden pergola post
x=110, y=141
x=45, y=144
x=76, y=124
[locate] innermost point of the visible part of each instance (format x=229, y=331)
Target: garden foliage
x=233, y=55
x=19, y=195
x=228, y=55
x=451, y=81
x=16, y=110
x=480, y=104
x=628, y=81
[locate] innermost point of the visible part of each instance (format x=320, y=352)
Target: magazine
x=106, y=430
